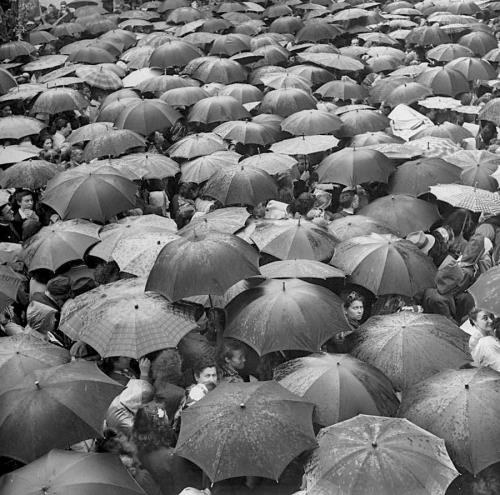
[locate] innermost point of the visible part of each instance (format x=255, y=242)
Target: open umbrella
x=89, y=132
x=357, y=225
x=14, y=49
x=7, y=81
x=305, y=145
x=184, y=97
x=415, y=177
x=402, y=213
x=114, y=142
x=300, y=268
x=147, y=166
x=485, y=291
x=344, y=89
x=446, y=130
x=98, y=77
x=444, y=81
x=11, y=282
x=427, y=35
x=84, y=192
x=30, y=174
x=195, y=145
x=147, y=116
x=362, y=120
x=249, y=429
x=272, y=163
x=159, y=84
x=294, y=239
x=72, y=473
x=59, y=100
x=472, y=68
x=202, y=168
x=217, y=109
x=279, y=315
x=491, y=111
x=17, y=127
x=239, y=185
x=136, y=254
x=461, y=407
x=468, y=197
x=56, y=244
x=309, y=122
x=181, y=268
x=215, y=69
x=287, y=101
x=128, y=322
x=411, y=347
x=17, y=153
x=78, y=394
x=226, y=220
x=174, y=53
x=340, y=387
x=332, y=61
x=353, y=166
x=482, y=176
x=371, y=454
x=407, y=94
x=246, y=132
x=112, y=234
x=22, y=354
x=385, y=264
x=45, y=62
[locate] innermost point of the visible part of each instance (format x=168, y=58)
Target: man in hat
x=424, y=242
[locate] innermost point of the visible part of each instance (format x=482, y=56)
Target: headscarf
x=40, y=317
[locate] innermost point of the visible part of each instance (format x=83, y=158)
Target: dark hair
x=60, y=123
x=351, y=297
x=473, y=314
x=22, y=194
x=227, y=349
x=346, y=198
x=201, y=365
x=151, y=429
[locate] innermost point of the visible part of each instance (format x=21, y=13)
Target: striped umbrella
x=99, y=78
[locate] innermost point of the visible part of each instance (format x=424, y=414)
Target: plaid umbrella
x=128, y=322
x=99, y=78
x=136, y=254
x=468, y=197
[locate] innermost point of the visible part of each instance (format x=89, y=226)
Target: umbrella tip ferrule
x=374, y=445
x=242, y=406
x=136, y=306
x=37, y=383
x=284, y=287
x=466, y=386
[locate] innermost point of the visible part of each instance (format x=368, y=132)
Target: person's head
x=52, y=8
x=232, y=354
x=59, y=289
x=119, y=363
x=151, y=429
x=461, y=222
x=349, y=199
x=24, y=200
x=76, y=154
x=6, y=213
x=205, y=372
x=6, y=111
x=63, y=126
x=483, y=320
x=47, y=144
x=354, y=306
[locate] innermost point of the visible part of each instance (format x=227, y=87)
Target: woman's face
x=484, y=321
x=26, y=202
x=355, y=311
x=47, y=144
x=237, y=360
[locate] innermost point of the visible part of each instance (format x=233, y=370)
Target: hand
x=144, y=366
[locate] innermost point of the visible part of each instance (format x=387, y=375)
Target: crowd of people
x=374, y=80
